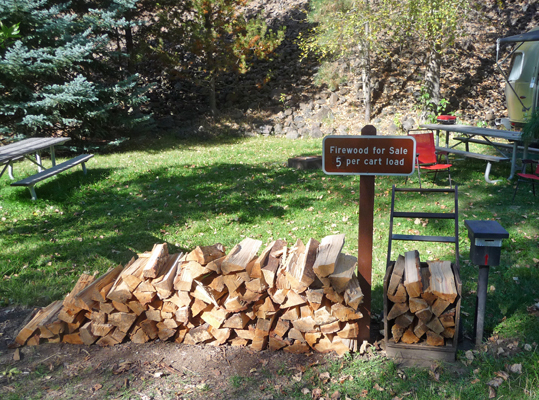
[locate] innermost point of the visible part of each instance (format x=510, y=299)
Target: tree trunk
x=130, y=49
x=213, y=101
x=432, y=79
x=366, y=75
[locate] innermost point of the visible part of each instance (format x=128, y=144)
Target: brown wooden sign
x=374, y=155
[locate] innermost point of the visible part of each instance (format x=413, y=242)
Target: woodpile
x=422, y=301
x=295, y=298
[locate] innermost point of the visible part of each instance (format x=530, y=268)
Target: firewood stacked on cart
x=292, y=297
x=423, y=300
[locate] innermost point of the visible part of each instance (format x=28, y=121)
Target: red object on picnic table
x=446, y=119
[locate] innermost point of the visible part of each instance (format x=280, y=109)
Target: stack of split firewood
x=294, y=298
x=422, y=300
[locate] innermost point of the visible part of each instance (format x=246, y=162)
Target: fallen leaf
x=474, y=381
x=495, y=382
x=324, y=377
x=336, y=395
x=16, y=355
x=469, y=355
x=97, y=387
x=516, y=368
x=378, y=387
x=435, y=375
x=502, y=374
x=305, y=391
x=491, y=392
x=316, y=393
x=297, y=377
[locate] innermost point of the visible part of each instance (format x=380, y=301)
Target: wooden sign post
x=367, y=155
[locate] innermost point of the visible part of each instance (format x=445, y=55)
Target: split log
x=442, y=280
x=281, y=327
x=165, y=285
x=412, y=274
x=315, y=296
x=353, y=296
x=396, y=277
x=240, y=256
x=424, y=315
x=86, y=334
x=29, y=329
x=405, y=320
x=293, y=299
x=344, y=313
x=420, y=328
x=332, y=327
x=221, y=335
x=51, y=326
x=204, y=293
x=292, y=314
x=156, y=262
x=345, y=268
x=123, y=321
x=91, y=294
x=206, y=254
x=215, y=317
x=324, y=315
x=312, y=338
x=400, y=295
x=350, y=331
x=277, y=343
x=268, y=262
x=304, y=324
x=439, y=306
x=297, y=348
x=448, y=318
x=70, y=303
x=187, y=273
x=434, y=339
x=397, y=309
x=328, y=251
x=101, y=329
x=409, y=337
x=435, y=325
x=448, y=333
x=299, y=267
x=397, y=332
x=215, y=265
x=236, y=321
x=417, y=304
x=73, y=338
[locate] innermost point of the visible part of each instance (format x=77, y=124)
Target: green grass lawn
x=190, y=193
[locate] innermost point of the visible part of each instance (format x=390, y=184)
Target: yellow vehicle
x=522, y=86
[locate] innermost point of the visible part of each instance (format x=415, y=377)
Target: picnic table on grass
x=31, y=149
x=483, y=136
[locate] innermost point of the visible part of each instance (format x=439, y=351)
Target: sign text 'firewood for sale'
x=357, y=155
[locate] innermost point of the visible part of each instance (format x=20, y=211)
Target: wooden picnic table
x=34, y=146
x=469, y=133
x=24, y=148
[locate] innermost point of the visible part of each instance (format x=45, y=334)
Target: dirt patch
x=157, y=370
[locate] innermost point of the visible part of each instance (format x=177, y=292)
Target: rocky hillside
x=279, y=96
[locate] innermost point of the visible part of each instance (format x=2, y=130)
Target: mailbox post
x=486, y=242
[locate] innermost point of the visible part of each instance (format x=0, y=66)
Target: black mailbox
x=486, y=241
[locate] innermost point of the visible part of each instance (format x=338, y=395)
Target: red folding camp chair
x=529, y=178
x=426, y=156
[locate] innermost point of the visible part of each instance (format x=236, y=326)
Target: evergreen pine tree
x=59, y=76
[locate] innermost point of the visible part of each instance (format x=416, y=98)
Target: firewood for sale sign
x=373, y=155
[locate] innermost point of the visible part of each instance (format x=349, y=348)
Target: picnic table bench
x=23, y=149
x=488, y=158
